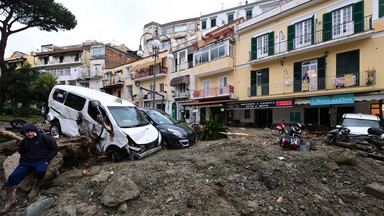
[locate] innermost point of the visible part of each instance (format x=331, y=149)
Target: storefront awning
x=208, y=103
x=180, y=80
x=356, y=98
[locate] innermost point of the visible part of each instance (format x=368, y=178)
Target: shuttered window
x=260, y=82
x=381, y=8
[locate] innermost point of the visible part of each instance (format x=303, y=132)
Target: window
x=180, y=28
x=309, y=75
x=75, y=102
x=223, y=85
x=347, y=68
x=213, y=52
x=61, y=59
x=127, y=73
x=342, y=22
x=259, y=82
x=206, y=87
x=161, y=87
x=230, y=18
x=98, y=51
x=248, y=14
x=303, y=33
x=213, y=22
x=381, y=8
x=191, y=26
x=128, y=92
x=59, y=95
x=98, y=70
x=203, y=24
x=76, y=57
x=150, y=30
x=262, y=46
x=45, y=60
x=167, y=31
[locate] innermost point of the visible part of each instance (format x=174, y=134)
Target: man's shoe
x=35, y=188
x=10, y=199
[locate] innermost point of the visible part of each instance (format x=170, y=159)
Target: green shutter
x=253, y=48
x=253, y=83
x=297, y=77
x=291, y=36
x=204, y=24
x=327, y=26
x=321, y=73
x=313, y=29
x=271, y=43
x=358, y=16
x=381, y=8
x=265, y=81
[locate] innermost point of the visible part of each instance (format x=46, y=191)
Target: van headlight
x=175, y=132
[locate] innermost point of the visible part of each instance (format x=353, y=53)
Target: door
x=309, y=72
x=206, y=88
x=223, y=82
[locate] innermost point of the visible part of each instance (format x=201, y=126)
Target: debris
x=279, y=200
x=280, y=158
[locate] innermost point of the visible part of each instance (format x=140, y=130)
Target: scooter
x=289, y=135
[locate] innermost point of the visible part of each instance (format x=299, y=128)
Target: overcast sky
x=121, y=21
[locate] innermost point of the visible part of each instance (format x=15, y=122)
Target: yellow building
x=19, y=59
x=309, y=61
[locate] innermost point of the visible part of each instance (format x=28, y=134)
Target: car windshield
x=128, y=116
x=160, y=117
x=360, y=123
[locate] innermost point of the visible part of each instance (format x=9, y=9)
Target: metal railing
x=228, y=89
x=318, y=37
x=149, y=72
x=366, y=78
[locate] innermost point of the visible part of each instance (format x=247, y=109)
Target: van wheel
x=116, y=157
x=55, y=130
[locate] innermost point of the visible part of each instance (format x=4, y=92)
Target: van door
x=69, y=113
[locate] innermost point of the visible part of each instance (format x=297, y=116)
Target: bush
x=182, y=121
x=213, y=129
x=24, y=111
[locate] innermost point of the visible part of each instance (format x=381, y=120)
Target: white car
x=359, y=123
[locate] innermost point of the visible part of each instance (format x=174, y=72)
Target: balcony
x=87, y=75
x=214, y=67
x=109, y=84
x=341, y=82
x=214, y=92
x=181, y=95
x=336, y=35
x=147, y=73
x=149, y=97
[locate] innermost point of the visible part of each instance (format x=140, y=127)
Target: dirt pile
x=246, y=174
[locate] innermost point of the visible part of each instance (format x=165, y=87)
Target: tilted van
x=116, y=125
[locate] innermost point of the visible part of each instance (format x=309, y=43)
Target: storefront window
x=375, y=109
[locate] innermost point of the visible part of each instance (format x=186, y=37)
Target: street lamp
x=155, y=47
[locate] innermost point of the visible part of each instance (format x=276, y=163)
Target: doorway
x=263, y=118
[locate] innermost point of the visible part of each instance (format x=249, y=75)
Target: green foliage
x=24, y=111
x=182, y=121
x=43, y=86
x=213, y=129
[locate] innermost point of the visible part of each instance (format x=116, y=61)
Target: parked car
x=116, y=125
x=358, y=123
x=175, y=134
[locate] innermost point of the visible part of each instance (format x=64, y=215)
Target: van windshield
x=127, y=117
x=360, y=123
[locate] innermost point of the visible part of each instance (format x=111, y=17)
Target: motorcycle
x=289, y=135
x=342, y=134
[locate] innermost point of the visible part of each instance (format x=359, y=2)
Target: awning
x=356, y=98
x=139, y=66
x=180, y=80
x=208, y=103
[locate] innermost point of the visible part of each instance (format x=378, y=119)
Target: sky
x=117, y=21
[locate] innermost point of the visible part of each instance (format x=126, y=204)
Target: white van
x=116, y=125
x=359, y=123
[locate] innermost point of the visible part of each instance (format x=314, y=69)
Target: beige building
x=19, y=59
x=309, y=61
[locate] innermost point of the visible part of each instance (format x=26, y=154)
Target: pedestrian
x=36, y=151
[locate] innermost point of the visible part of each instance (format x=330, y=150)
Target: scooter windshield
x=127, y=117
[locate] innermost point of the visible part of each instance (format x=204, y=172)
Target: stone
x=99, y=179
x=68, y=211
x=39, y=207
x=123, y=207
x=12, y=161
x=120, y=189
x=375, y=189
x=346, y=157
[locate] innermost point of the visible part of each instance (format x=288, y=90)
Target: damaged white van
x=116, y=125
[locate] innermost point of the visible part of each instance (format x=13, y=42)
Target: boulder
x=12, y=161
x=99, y=179
x=346, y=157
x=375, y=189
x=120, y=189
x=39, y=207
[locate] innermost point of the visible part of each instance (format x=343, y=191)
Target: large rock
x=346, y=157
x=119, y=190
x=375, y=189
x=39, y=207
x=99, y=179
x=12, y=161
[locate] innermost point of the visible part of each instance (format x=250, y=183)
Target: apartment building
x=309, y=61
x=248, y=9
x=18, y=59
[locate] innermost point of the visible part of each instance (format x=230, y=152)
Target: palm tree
x=44, y=85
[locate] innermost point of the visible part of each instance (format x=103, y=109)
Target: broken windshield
x=126, y=116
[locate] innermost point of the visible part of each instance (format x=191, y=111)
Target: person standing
x=36, y=151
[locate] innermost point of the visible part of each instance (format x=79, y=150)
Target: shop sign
x=259, y=104
x=333, y=99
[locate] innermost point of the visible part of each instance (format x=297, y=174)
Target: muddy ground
x=241, y=175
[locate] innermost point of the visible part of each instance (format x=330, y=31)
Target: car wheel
x=55, y=130
x=164, y=143
x=116, y=157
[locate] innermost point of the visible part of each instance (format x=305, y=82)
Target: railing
x=318, y=37
x=214, y=91
x=179, y=94
x=87, y=74
x=366, y=78
x=112, y=82
x=149, y=72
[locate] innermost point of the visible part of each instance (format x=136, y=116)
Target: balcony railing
x=111, y=83
x=88, y=75
x=179, y=94
x=366, y=78
x=149, y=72
x=211, y=92
x=318, y=37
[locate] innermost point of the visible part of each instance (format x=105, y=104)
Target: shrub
x=213, y=129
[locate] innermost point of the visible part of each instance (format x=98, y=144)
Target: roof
x=59, y=51
x=361, y=116
x=104, y=98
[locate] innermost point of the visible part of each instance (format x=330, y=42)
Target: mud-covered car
x=174, y=133
x=116, y=125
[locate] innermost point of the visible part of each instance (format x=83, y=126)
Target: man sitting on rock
x=36, y=151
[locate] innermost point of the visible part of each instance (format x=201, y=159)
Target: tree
x=43, y=86
x=47, y=15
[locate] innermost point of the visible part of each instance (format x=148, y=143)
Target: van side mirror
x=95, y=104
